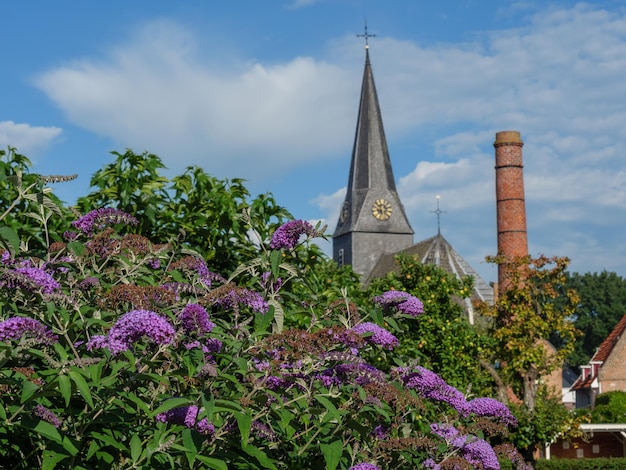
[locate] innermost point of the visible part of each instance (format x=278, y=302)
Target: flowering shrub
x=117, y=353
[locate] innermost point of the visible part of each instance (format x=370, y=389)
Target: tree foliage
x=601, y=306
x=610, y=407
x=203, y=212
x=528, y=312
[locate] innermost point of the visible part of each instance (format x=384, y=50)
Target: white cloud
x=155, y=93
x=27, y=139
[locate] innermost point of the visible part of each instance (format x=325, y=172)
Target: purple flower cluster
x=14, y=328
x=187, y=416
x=474, y=450
x=31, y=279
x=351, y=373
x=489, y=407
x=429, y=385
x=44, y=413
x=211, y=345
x=101, y=218
x=364, y=466
x=288, y=235
x=195, y=318
x=401, y=301
x=478, y=451
x=379, y=336
x=243, y=297
x=131, y=327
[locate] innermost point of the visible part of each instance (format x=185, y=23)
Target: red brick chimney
x=511, y=207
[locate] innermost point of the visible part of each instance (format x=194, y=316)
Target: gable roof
x=438, y=251
x=609, y=343
x=601, y=355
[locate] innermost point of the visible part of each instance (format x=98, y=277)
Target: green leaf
x=135, y=447
x=212, y=463
x=279, y=315
x=48, y=431
x=76, y=248
x=244, y=422
x=170, y=404
x=51, y=459
x=333, y=412
x=28, y=390
x=65, y=387
x=82, y=386
x=260, y=456
x=275, y=259
x=10, y=240
x=332, y=454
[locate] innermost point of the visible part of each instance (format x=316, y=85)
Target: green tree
x=610, y=407
x=532, y=306
x=202, y=211
x=601, y=307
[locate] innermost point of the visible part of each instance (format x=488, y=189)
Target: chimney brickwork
x=510, y=202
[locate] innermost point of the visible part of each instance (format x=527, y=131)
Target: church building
x=373, y=227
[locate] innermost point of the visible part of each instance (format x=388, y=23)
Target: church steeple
x=372, y=221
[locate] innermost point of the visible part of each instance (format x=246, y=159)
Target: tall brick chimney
x=510, y=204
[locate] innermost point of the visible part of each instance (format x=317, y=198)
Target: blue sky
x=268, y=91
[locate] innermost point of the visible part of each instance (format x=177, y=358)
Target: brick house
x=606, y=372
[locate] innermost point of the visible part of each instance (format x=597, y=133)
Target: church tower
x=372, y=220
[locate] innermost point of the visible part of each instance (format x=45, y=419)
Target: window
x=565, y=444
x=595, y=448
x=341, y=257
x=580, y=453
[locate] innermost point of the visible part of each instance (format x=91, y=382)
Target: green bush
x=582, y=464
x=120, y=352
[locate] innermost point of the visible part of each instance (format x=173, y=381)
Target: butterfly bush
x=187, y=416
x=133, y=326
x=403, y=302
x=288, y=235
x=210, y=378
x=378, y=335
x=100, y=218
x=15, y=328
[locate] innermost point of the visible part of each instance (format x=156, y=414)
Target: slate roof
x=438, y=251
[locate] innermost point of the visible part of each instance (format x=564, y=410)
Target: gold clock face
x=381, y=209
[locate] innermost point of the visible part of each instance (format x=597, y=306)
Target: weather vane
x=438, y=212
x=366, y=35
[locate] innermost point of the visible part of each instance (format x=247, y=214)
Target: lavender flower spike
x=492, y=408
x=100, y=218
x=194, y=317
x=364, y=466
x=402, y=301
x=380, y=336
x=431, y=386
x=288, y=235
x=14, y=328
x=32, y=279
x=44, y=413
x=131, y=327
x=187, y=416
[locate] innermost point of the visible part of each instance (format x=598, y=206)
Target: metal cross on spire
x=438, y=212
x=366, y=35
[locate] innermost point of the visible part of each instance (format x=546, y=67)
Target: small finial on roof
x=438, y=212
x=366, y=35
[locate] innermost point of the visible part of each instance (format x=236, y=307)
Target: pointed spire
x=372, y=220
